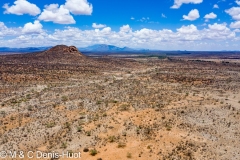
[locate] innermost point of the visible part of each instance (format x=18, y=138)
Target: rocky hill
x=61, y=53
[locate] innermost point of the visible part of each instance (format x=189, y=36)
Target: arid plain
x=120, y=108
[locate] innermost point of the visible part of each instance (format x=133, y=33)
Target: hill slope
x=60, y=53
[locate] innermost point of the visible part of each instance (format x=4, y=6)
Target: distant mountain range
x=106, y=48
x=27, y=49
x=94, y=48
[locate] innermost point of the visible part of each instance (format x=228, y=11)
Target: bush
x=50, y=124
x=93, y=152
x=104, y=114
x=30, y=108
x=64, y=98
x=129, y=155
x=79, y=128
x=68, y=126
x=124, y=107
x=64, y=145
x=121, y=145
x=99, y=102
x=88, y=133
x=111, y=139
x=168, y=127
x=12, y=118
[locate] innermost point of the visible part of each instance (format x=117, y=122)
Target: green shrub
x=79, y=128
x=50, y=124
x=129, y=155
x=64, y=98
x=30, y=108
x=88, y=133
x=123, y=107
x=111, y=139
x=64, y=145
x=93, y=152
x=121, y=145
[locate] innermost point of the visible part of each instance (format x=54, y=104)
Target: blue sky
x=153, y=24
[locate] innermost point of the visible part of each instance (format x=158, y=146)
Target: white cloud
x=178, y=3
x=163, y=16
x=238, y=2
x=210, y=16
x=2, y=26
x=187, y=29
x=97, y=26
x=132, y=18
x=5, y=31
x=187, y=37
x=204, y=24
x=106, y=30
x=35, y=27
x=125, y=28
x=218, y=27
x=62, y=14
x=79, y=7
x=144, y=19
x=56, y=14
x=236, y=30
x=192, y=15
x=148, y=38
x=21, y=7
x=234, y=12
x=215, y=6
x=235, y=24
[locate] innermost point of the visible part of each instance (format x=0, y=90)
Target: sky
x=154, y=24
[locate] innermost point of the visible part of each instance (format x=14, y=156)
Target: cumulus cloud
x=21, y=7
x=187, y=29
x=2, y=25
x=97, y=26
x=234, y=12
x=35, y=27
x=185, y=37
x=106, y=30
x=125, y=28
x=5, y=31
x=238, y=2
x=218, y=27
x=215, y=6
x=210, y=16
x=178, y=3
x=235, y=24
x=56, y=14
x=147, y=38
x=62, y=14
x=192, y=15
x=79, y=7
x=237, y=30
